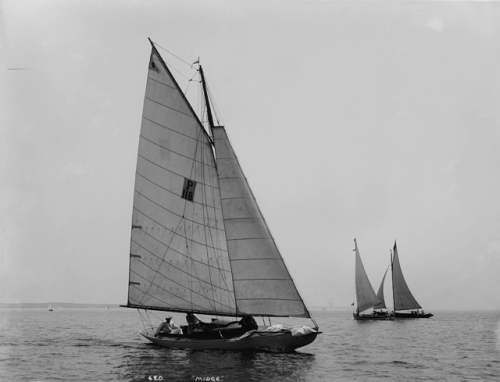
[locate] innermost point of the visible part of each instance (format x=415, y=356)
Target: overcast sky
x=379, y=121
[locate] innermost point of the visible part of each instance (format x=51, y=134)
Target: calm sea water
x=100, y=345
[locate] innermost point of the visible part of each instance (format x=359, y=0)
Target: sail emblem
x=188, y=189
x=153, y=66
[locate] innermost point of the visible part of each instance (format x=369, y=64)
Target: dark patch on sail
x=153, y=66
x=188, y=189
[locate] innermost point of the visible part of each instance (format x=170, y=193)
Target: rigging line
x=199, y=150
x=173, y=68
x=159, y=46
x=163, y=258
x=169, y=279
x=169, y=150
x=189, y=82
x=157, y=165
x=222, y=275
x=167, y=128
x=170, y=108
x=165, y=209
x=193, y=175
x=162, y=83
x=217, y=242
x=205, y=217
x=173, y=249
x=174, y=233
x=215, y=107
x=166, y=305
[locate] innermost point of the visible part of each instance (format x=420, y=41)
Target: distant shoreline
x=56, y=305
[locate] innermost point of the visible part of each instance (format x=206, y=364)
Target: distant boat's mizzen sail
x=365, y=295
x=403, y=299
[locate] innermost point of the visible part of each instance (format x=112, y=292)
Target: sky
x=378, y=121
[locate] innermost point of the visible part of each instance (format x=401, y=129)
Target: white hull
x=261, y=340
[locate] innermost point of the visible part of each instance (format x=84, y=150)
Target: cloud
x=436, y=25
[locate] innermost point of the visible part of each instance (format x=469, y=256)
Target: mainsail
x=380, y=294
x=199, y=242
x=365, y=295
x=403, y=299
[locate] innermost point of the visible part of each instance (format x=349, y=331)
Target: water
x=100, y=345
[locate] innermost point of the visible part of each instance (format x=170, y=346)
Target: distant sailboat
x=365, y=295
x=199, y=243
x=405, y=305
x=50, y=307
x=107, y=307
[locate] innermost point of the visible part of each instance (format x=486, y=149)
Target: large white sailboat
x=199, y=243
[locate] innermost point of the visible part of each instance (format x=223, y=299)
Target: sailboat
x=381, y=308
x=405, y=305
x=50, y=307
x=365, y=294
x=199, y=242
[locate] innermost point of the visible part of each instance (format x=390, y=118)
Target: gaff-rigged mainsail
x=403, y=299
x=199, y=242
x=365, y=295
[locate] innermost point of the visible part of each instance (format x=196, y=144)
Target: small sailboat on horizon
x=50, y=307
x=405, y=305
x=365, y=295
x=199, y=242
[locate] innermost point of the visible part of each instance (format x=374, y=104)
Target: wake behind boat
x=405, y=305
x=365, y=295
x=199, y=242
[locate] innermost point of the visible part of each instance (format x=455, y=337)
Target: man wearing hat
x=168, y=327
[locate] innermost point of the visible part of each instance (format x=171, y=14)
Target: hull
x=413, y=315
x=268, y=341
x=372, y=317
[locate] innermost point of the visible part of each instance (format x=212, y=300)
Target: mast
x=392, y=278
x=205, y=93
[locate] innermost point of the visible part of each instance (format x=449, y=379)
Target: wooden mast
x=209, y=109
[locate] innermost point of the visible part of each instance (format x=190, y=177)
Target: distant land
x=68, y=305
x=57, y=305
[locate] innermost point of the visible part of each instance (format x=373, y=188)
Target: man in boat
x=194, y=322
x=168, y=327
x=248, y=323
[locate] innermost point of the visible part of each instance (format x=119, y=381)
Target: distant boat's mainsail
x=403, y=299
x=365, y=295
x=199, y=242
x=380, y=294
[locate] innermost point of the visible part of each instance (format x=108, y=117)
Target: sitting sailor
x=168, y=327
x=193, y=321
x=248, y=323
